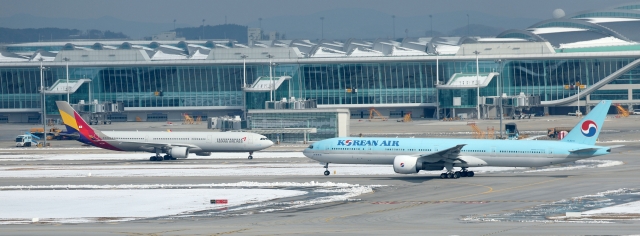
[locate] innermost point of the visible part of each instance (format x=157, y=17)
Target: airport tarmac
x=353, y=200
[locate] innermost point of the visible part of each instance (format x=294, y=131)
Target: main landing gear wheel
x=169, y=157
x=156, y=158
x=326, y=171
x=450, y=175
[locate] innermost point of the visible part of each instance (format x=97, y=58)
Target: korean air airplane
x=173, y=144
x=410, y=155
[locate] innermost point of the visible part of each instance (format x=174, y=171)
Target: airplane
x=410, y=155
x=173, y=144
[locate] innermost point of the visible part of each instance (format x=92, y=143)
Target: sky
x=247, y=11
x=283, y=15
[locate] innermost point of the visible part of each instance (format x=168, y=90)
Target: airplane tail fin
x=73, y=121
x=588, y=129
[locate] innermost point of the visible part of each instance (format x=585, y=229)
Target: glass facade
x=326, y=124
x=336, y=83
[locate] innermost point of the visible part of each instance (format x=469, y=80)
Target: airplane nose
x=269, y=143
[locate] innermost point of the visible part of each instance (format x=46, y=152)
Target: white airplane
x=173, y=144
x=410, y=155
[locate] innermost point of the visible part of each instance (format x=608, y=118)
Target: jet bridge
x=266, y=83
x=62, y=86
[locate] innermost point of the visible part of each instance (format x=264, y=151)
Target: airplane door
x=209, y=139
x=493, y=151
x=146, y=138
x=549, y=152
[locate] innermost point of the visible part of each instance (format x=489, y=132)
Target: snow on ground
x=91, y=203
x=169, y=169
x=68, y=204
x=145, y=156
x=627, y=208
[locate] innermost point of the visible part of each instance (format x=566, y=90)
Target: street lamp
x=203, y=29
x=477, y=84
x=431, y=22
x=244, y=70
x=174, y=25
x=270, y=78
x=68, y=88
x=244, y=85
x=44, y=101
x=499, y=61
x=322, y=23
x=435, y=49
x=394, y=26
x=468, y=25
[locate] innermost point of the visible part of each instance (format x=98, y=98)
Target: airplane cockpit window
x=310, y=147
x=265, y=138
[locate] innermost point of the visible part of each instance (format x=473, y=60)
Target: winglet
x=588, y=129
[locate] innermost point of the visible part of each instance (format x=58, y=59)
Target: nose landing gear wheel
x=250, y=157
x=327, y=173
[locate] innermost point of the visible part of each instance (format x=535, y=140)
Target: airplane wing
x=158, y=145
x=446, y=155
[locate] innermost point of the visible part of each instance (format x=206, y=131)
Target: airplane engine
x=406, y=165
x=206, y=154
x=179, y=152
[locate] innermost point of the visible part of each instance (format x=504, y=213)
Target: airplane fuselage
x=506, y=153
x=205, y=141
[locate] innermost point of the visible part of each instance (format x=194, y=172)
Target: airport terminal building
x=546, y=68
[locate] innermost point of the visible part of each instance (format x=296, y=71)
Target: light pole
x=431, y=22
x=44, y=101
x=477, y=84
x=244, y=85
x=499, y=61
x=435, y=49
x=67, y=60
x=393, y=17
x=270, y=78
x=468, y=25
x=578, y=85
x=202, y=28
x=322, y=27
x=244, y=70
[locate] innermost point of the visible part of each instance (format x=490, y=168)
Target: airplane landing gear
x=250, y=155
x=169, y=157
x=457, y=174
x=465, y=173
x=326, y=167
x=157, y=157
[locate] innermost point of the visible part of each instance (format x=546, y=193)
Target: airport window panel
x=621, y=94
